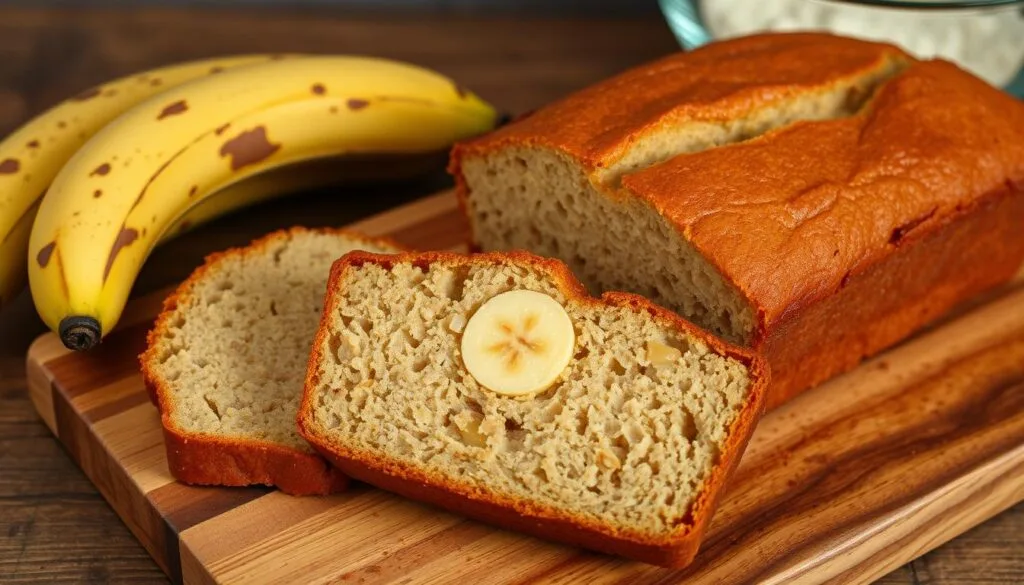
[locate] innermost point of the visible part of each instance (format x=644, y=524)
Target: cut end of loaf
x=539, y=200
x=227, y=357
x=625, y=442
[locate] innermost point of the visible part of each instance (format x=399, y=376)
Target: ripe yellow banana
x=117, y=196
x=32, y=155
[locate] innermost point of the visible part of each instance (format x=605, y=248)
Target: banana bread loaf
x=492, y=385
x=814, y=197
x=227, y=356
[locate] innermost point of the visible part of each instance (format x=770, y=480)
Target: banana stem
x=79, y=333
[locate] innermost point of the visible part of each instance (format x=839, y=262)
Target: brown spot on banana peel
x=178, y=107
x=216, y=69
x=101, y=170
x=318, y=89
x=45, y=253
x=356, y=104
x=170, y=160
x=249, y=147
x=97, y=193
x=156, y=82
x=124, y=239
x=9, y=166
x=33, y=144
x=62, y=124
x=193, y=190
x=88, y=94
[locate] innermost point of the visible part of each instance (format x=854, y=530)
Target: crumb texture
x=539, y=200
x=627, y=435
x=234, y=355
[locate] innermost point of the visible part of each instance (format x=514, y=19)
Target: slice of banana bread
x=226, y=359
x=493, y=386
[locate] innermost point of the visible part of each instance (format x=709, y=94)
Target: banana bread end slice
x=226, y=358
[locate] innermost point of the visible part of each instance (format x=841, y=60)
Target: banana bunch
x=134, y=162
x=33, y=155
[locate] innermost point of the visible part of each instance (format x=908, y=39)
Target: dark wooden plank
x=54, y=525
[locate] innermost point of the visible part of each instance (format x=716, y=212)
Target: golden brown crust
x=675, y=550
x=953, y=263
x=204, y=459
x=787, y=216
x=797, y=217
x=719, y=81
x=211, y=460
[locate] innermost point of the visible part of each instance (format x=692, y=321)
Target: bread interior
x=618, y=439
x=234, y=355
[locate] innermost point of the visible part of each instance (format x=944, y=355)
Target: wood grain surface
x=54, y=525
x=848, y=482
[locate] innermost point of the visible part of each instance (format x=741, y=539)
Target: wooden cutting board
x=842, y=485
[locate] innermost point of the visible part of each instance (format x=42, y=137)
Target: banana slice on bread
x=518, y=342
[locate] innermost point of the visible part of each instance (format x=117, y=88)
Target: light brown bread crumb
x=235, y=353
x=618, y=440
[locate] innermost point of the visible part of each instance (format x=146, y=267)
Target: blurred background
x=50, y=47
x=488, y=6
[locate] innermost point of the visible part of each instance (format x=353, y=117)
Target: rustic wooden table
x=54, y=526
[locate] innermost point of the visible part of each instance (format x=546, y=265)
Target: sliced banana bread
x=492, y=385
x=226, y=359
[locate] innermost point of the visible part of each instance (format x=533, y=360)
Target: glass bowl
x=985, y=37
